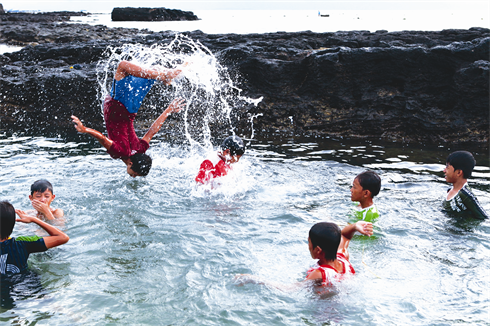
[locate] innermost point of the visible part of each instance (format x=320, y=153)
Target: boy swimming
x=15, y=251
x=130, y=86
x=329, y=245
x=230, y=152
x=365, y=187
x=41, y=198
x=459, y=166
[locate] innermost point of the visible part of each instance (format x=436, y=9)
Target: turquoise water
x=161, y=251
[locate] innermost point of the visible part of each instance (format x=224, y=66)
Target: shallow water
x=159, y=250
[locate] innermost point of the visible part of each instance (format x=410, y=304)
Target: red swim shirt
x=208, y=170
x=120, y=129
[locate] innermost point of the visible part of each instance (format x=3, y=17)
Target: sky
x=96, y=6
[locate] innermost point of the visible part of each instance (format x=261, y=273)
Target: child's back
x=230, y=152
x=15, y=251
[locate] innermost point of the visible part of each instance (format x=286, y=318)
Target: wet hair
x=370, y=180
x=141, y=163
x=7, y=219
x=234, y=144
x=327, y=236
x=41, y=186
x=462, y=160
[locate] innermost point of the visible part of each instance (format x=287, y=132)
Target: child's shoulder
x=58, y=213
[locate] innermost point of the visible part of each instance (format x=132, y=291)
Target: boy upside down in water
x=130, y=86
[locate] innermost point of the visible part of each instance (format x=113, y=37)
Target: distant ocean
x=271, y=21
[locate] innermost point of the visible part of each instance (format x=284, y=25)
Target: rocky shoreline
x=411, y=86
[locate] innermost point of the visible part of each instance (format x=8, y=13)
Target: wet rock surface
x=409, y=86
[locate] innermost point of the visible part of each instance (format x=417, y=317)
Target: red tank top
x=329, y=273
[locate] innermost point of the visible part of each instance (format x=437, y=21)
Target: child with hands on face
x=41, y=198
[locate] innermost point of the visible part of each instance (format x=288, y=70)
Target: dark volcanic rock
x=151, y=14
x=411, y=86
x=56, y=16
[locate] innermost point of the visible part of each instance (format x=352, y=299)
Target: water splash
x=210, y=92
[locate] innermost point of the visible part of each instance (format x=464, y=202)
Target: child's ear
x=30, y=197
x=459, y=172
x=317, y=251
x=367, y=193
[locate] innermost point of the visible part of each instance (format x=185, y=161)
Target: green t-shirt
x=368, y=214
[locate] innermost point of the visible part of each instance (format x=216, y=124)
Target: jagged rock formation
x=405, y=86
x=151, y=14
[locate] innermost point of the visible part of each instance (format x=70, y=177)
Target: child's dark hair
x=41, y=186
x=327, y=236
x=462, y=160
x=141, y=163
x=370, y=180
x=7, y=219
x=234, y=144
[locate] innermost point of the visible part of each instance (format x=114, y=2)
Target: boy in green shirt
x=366, y=185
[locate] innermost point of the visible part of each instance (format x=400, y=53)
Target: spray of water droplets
x=210, y=93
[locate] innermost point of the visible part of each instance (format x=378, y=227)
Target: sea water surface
x=162, y=251
x=271, y=21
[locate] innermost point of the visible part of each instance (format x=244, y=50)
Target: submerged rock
x=405, y=86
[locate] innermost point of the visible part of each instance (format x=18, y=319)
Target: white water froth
x=211, y=94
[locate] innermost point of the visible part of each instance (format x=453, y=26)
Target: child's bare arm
x=176, y=105
x=348, y=232
x=56, y=237
x=126, y=68
x=103, y=140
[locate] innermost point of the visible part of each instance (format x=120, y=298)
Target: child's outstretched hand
x=78, y=124
x=176, y=105
x=24, y=217
x=365, y=228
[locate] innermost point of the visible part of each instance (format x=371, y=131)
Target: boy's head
x=234, y=147
x=7, y=219
x=140, y=165
x=460, y=160
x=42, y=190
x=327, y=236
x=367, y=183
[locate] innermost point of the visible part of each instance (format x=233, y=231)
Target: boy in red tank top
x=328, y=244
